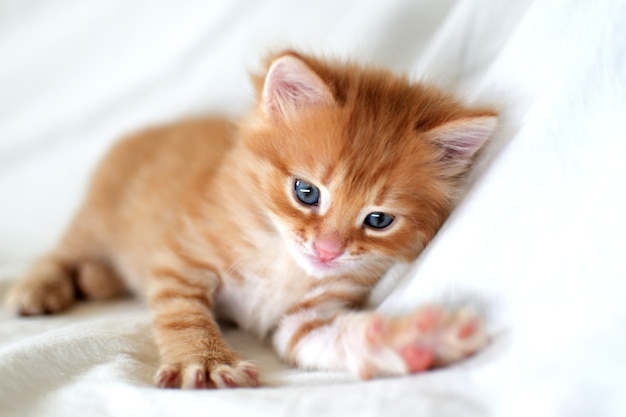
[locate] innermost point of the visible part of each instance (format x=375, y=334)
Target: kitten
x=282, y=224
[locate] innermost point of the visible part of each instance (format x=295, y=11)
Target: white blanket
x=538, y=243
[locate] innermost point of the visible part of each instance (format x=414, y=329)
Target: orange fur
x=201, y=218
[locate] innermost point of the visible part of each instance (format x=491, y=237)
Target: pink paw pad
x=428, y=318
x=417, y=358
x=467, y=330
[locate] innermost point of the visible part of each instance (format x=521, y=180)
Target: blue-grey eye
x=307, y=193
x=378, y=220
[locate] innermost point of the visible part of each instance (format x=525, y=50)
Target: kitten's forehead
x=351, y=170
x=358, y=185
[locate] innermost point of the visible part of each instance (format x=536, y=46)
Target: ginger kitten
x=282, y=224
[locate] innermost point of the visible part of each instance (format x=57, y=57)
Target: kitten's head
x=356, y=168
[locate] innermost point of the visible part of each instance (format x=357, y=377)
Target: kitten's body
x=202, y=218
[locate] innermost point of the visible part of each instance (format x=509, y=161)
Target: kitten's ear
x=460, y=139
x=290, y=86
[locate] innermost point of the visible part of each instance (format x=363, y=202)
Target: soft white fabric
x=538, y=242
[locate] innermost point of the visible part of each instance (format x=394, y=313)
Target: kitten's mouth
x=313, y=264
x=322, y=263
x=319, y=267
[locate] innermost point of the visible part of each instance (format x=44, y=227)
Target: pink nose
x=327, y=248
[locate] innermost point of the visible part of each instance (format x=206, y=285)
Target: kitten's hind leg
x=98, y=280
x=54, y=283
x=45, y=289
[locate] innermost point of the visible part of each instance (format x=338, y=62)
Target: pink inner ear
x=291, y=85
x=296, y=91
x=461, y=139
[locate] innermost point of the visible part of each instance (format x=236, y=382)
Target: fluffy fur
x=205, y=219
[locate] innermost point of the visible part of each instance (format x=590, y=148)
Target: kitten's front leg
x=372, y=345
x=193, y=353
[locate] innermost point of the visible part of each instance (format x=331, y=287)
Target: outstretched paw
x=429, y=337
x=198, y=376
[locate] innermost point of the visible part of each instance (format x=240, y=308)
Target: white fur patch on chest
x=262, y=292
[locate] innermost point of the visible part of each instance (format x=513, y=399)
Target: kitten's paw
x=431, y=336
x=244, y=374
x=46, y=290
x=198, y=376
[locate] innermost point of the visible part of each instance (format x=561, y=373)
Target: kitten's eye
x=307, y=193
x=378, y=220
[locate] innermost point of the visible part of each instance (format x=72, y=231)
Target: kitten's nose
x=328, y=247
